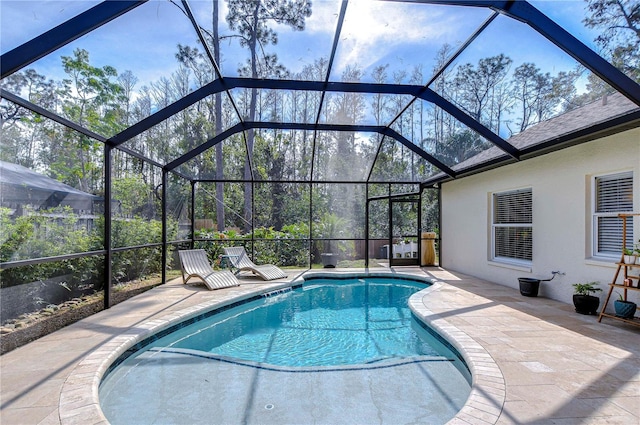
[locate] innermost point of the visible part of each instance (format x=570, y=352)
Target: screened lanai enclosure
x=305, y=131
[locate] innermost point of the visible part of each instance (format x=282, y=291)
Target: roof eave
x=597, y=131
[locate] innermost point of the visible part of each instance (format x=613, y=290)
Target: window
x=512, y=230
x=613, y=194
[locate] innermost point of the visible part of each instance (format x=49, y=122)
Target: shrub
x=45, y=234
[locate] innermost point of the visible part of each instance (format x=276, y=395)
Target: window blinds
x=513, y=207
x=614, y=195
x=512, y=222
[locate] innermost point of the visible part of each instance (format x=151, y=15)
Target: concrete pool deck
x=558, y=367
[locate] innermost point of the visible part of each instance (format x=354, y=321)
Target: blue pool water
x=325, y=333
x=321, y=324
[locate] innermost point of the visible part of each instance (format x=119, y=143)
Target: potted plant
x=629, y=256
x=625, y=309
x=584, y=302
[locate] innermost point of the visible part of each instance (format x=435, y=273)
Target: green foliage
x=97, y=99
x=476, y=84
x=281, y=247
x=288, y=247
x=132, y=193
x=586, y=288
x=45, y=234
x=460, y=146
x=329, y=226
x=59, y=231
x=132, y=264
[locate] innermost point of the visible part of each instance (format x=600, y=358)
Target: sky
x=399, y=35
x=374, y=33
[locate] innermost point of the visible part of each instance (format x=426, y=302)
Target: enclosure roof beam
x=600, y=130
x=415, y=148
x=229, y=83
x=448, y=62
x=50, y=115
x=167, y=112
x=309, y=127
x=334, y=86
x=433, y=97
x=203, y=147
x=332, y=56
x=143, y=158
x=421, y=92
x=210, y=55
x=525, y=12
x=363, y=128
x=65, y=33
x=305, y=181
x=408, y=195
x=73, y=126
x=219, y=85
x=203, y=41
x=375, y=158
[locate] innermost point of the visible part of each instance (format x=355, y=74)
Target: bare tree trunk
x=218, y=123
x=248, y=189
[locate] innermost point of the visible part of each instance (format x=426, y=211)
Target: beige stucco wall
x=561, y=188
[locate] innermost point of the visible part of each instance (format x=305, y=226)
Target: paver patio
x=559, y=367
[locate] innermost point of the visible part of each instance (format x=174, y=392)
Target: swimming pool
x=339, y=351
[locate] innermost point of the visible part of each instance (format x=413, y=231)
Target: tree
x=127, y=82
x=476, y=85
x=379, y=102
x=531, y=89
x=23, y=130
x=215, y=41
x=460, y=147
x=443, y=124
x=619, y=21
x=250, y=19
x=92, y=98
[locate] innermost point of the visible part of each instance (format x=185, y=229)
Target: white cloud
x=373, y=31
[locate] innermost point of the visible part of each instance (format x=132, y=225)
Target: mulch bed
x=32, y=326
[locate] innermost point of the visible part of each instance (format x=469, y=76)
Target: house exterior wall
x=561, y=184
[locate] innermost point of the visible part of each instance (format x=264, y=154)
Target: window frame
x=595, y=215
x=494, y=226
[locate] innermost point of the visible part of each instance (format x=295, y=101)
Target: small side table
x=225, y=261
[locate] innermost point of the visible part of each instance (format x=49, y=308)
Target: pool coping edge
x=484, y=404
x=488, y=388
x=79, y=406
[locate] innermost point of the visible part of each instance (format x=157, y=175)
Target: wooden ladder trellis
x=628, y=277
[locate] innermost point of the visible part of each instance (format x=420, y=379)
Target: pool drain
x=269, y=406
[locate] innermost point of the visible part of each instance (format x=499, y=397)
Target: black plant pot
x=625, y=309
x=586, y=304
x=529, y=287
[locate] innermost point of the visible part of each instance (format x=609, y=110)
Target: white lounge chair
x=239, y=260
x=194, y=263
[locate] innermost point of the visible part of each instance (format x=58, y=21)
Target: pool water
x=322, y=324
x=355, y=337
